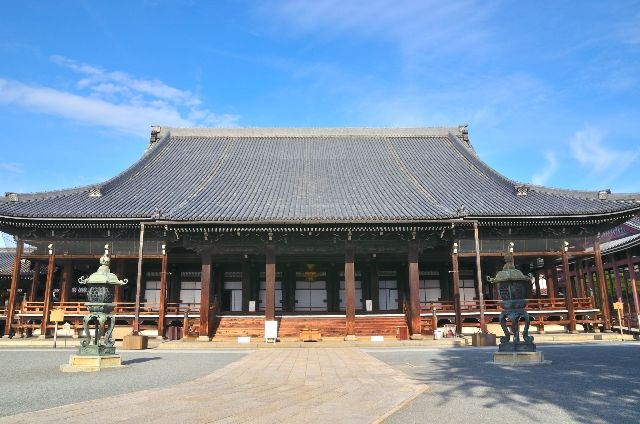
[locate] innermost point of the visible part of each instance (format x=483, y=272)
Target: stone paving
x=268, y=386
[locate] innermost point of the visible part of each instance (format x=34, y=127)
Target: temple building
x=350, y=232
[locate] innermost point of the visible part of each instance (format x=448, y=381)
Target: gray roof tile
x=319, y=175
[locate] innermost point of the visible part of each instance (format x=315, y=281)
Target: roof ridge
x=313, y=131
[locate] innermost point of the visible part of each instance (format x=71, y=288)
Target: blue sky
x=550, y=90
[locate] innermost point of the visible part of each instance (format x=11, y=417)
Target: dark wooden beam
x=350, y=292
x=414, y=292
x=616, y=276
x=35, y=280
x=568, y=295
x=205, y=297
x=246, y=284
x=456, y=293
x=634, y=287
x=604, y=299
x=551, y=287
x=15, y=278
x=270, y=285
x=120, y=273
x=47, y=295
x=136, y=319
x=66, y=282
x=580, y=279
x=163, y=297
x=375, y=285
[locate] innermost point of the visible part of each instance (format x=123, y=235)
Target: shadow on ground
x=585, y=384
x=140, y=360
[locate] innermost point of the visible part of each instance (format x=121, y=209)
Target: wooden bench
x=310, y=335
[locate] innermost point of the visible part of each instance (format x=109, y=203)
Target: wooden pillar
x=350, y=292
x=604, y=299
x=580, y=279
x=218, y=278
x=15, y=277
x=136, y=312
x=67, y=276
x=589, y=281
x=120, y=273
x=270, y=285
x=35, y=279
x=205, y=297
x=162, y=311
x=414, y=292
x=246, y=284
x=476, y=236
x=616, y=276
x=375, y=286
x=456, y=291
x=333, y=289
x=47, y=294
x=549, y=268
x=634, y=287
x=568, y=296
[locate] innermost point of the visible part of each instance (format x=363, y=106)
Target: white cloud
x=589, y=149
x=12, y=167
x=416, y=26
x=550, y=165
x=630, y=30
x=113, y=99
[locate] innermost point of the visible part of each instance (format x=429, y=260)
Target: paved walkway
x=268, y=386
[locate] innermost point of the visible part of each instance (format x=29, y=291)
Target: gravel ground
x=596, y=383
x=32, y=380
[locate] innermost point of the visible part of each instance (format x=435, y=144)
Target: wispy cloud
x=413, y=25
x=480, y=101
x=630, y=30
x=12, y=167
x=550, y=165
x=113, y=99
x=601, y=160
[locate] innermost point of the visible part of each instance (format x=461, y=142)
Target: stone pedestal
x=203, y=339
x=518, y=359
x=416, y=337
x=92, y=363
x=350, y=338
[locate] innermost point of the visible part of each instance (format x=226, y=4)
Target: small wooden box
x=138, y=342
x=310, y=335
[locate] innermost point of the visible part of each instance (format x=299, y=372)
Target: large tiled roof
x=7, y=257
x=311, y=175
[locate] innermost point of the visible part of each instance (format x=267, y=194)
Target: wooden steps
x=379, y=325
x=290, y=327
x=230, y=327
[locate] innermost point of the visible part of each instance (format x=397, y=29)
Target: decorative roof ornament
x=522, y=189
x=12, y=197
x=155, y=134
x=464, y=132
x=95, y=191
x=604, y=194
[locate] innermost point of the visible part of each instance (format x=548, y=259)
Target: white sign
x=252, y=306
x=66, y=328
x=369, y=305
x=270, y=331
